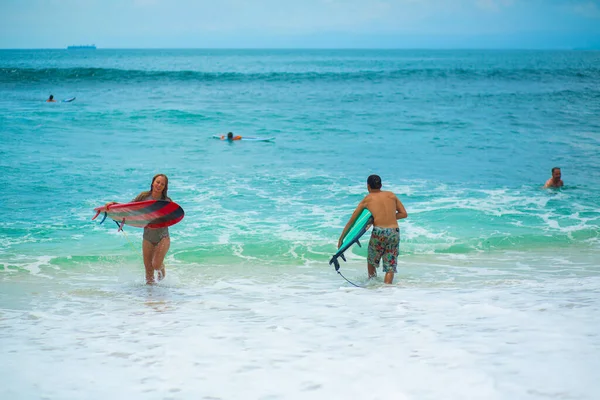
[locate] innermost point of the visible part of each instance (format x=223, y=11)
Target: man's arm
x=400, y=210
x=361, y=206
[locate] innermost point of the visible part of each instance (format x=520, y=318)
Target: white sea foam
x=493, y=332
x=32, y=264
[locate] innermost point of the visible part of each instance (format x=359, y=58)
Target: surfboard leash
x=336, y=264
x=127, y=237
x=353, y=284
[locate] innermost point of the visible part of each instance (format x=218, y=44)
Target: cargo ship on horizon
x=82, y=47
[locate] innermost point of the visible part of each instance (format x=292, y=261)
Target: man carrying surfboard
x=386, y=209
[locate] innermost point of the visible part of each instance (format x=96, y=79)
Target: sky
x=544, y=24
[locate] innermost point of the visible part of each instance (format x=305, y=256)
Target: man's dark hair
x=555, y=169
x=374, y=182
x=230, y=135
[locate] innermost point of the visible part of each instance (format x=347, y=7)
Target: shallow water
x=482, y=327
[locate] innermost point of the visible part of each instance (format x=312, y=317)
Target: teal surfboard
x=356, y=231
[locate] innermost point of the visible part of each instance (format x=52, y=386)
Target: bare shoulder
x=396, y=199
x=365, y=201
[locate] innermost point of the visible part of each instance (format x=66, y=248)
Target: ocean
x=497, y=294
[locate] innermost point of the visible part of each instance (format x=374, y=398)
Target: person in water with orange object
x=156, y=241
x=51, y=99
x=230, y=137
x=386, y=209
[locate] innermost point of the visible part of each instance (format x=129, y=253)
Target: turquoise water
x=465, y=138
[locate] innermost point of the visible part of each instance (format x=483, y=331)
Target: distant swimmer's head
x=556, y=173
x=51, y=98
x=160, y=184
x=230, y=135
x=374, y=182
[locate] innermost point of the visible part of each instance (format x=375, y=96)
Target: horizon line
x=592, y=48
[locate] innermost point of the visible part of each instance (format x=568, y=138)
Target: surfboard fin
x=105, y=214
x=358, y=243
x=343, y=258
x=335, y=263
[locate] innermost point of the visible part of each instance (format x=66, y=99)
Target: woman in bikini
x=156, y=242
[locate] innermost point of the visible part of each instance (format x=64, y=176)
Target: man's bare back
x=385, y=208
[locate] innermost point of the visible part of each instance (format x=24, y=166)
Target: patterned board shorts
x=384, y=244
